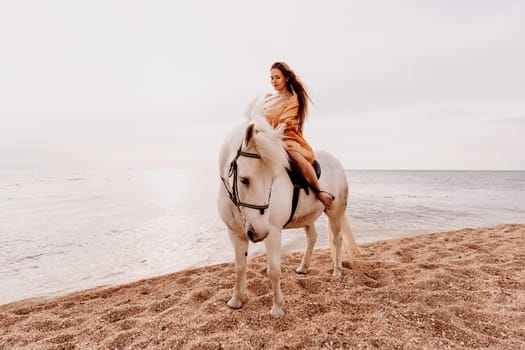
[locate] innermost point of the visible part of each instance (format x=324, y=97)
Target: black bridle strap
x=234, y=192
x=247, y=154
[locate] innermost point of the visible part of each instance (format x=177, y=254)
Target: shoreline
x=460, y=289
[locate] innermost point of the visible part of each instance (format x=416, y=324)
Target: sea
x=65, y=231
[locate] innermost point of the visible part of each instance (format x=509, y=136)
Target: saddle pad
x=298, y=179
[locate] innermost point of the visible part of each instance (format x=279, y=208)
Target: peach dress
x=280, y=109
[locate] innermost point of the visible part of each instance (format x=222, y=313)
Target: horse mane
x=269, y=144
x=254, y=108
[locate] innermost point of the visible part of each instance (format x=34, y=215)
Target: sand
x=455, y=290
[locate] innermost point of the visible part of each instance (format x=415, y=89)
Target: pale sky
x=158, y=84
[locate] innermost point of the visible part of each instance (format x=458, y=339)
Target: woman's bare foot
x=326, y=198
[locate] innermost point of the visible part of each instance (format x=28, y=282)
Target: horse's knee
x=273, y=273
x=240, y=266
x=274, y=265
x=335, y=228
x=311, y=234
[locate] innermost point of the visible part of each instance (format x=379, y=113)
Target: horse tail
x=349, y=245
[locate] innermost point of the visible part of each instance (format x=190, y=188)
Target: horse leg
x=241, y=252
x=311, y=238
x=273, y=255
x=336, y=240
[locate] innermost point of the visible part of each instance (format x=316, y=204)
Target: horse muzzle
x=255, y=236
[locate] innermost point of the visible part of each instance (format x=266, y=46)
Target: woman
x=289, y=106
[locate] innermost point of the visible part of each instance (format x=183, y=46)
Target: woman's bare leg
x=309, y=174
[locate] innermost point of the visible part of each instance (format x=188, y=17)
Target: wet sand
x=460, y=290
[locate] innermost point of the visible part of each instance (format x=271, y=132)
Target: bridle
x=233, y=192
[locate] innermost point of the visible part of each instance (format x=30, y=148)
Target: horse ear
x=250, y=131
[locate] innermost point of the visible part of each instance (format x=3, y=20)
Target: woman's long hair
x=295, y=86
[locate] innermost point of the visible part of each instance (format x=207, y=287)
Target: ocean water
x=63, y=231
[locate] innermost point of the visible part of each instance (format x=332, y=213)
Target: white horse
x=255, y=202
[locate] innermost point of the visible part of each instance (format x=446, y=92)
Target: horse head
x=259, y=160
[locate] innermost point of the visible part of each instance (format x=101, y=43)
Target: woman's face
x=278, y=80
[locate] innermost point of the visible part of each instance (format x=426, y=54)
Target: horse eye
x=245, y=181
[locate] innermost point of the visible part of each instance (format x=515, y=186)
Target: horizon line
x=186, y=167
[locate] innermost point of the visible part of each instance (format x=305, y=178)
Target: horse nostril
x=250, y=234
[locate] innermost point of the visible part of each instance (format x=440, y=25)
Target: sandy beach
x=454, y=290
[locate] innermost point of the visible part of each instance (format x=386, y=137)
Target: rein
x=233, y=192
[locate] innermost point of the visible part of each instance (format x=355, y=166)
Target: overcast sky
x=158, y=84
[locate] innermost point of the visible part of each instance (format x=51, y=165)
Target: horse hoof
x=277, y=312
x=337, y=274
x=301, y=270
x=234, y=304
